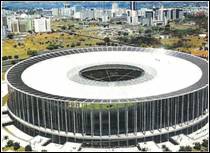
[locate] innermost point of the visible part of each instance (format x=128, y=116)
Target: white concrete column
x=32, y=107
x=74, y=122
x=83, y=131
x=135, y=119
x=27, y=103
x=188, y=107
x=126, y=121
x=118, y=122
x=51, y=115
x=92, y=125
x=202, y=105
x=160, y=113
x=100, y=122
x=193, y=109
x=198, y=102
x=109, y=123
x=23, y=109
x=37, y=105
x=65, y=110
x=58, y=115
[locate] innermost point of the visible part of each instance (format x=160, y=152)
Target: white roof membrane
x=52, y=75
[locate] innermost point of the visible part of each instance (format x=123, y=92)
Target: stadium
x=109, y=96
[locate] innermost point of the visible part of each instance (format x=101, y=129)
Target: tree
x=6, y=137
x=13, y=62
x=4, y=58
x=72, y=45
x=29, y=31
x=20, y=44
x=140, y=30
x=9, y=57
x=44, y=150
x=81, y=39
x=78, y=43
x=16, y=56
x=205, y=143
x=32, y=52
x=185, y=148
x=10, y=36
x=9, y=143
x=167, y=27
x=182, y=148
x=52, y=46
x=16, y=145
x=188, y=148
x=63, y=27
x=28, y=148
x=106, y=40
x=70, y=27
x=144, y=149
x=197, y=146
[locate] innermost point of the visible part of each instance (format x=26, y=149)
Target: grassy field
x=169, y=41
x=191, y=44
x=57, y=24
x=39, y=42
x=21, y=149
x=182, y=26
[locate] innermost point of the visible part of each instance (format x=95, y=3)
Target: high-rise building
x=25, y=24
x=4, y=20
x=114, y=9
x=132, y=14
x=3, y=32
x=133, y=5
x=42, y=25
x=15, y=26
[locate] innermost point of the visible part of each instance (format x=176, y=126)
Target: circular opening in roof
x=111, y=72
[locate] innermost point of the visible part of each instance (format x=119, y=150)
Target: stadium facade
x=111, y=100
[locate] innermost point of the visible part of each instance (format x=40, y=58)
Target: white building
x=42, y=25
x=3, y=32
x=56, y=12
x=132, y=14
x=77, y=15
x=62, y=12
x=114, y=9
x=66, y=12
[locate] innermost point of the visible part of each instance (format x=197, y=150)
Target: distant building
x=159, y=16
x=4, y=21
x=15, y=26
x=62, y=12
x=26, y=25
x=56, y=12
x=148, y=18
x=3, y=32
x=132, y=14
x=114, y=9
x=42, y=25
